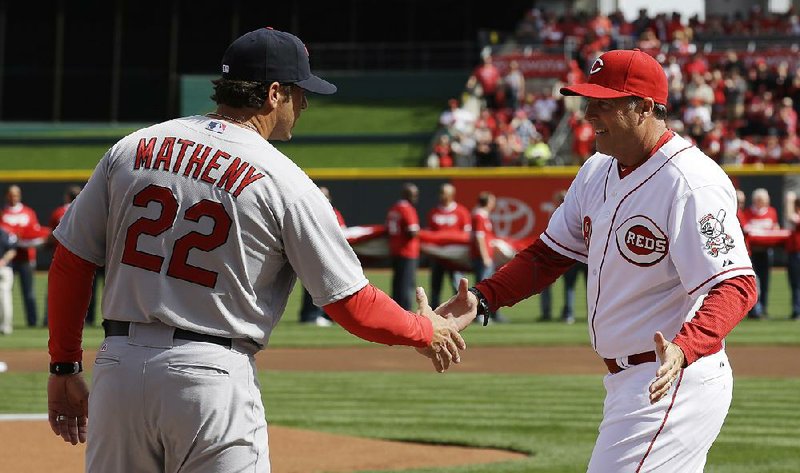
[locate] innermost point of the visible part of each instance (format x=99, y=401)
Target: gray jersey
x=203, y=225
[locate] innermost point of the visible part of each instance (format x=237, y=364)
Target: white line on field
x=23, y=417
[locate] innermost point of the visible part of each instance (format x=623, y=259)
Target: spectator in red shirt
x=761, y=216
x=698, y=65
x=582, y=139
x=449, y=216
x=741, y=202
x=70, y=194
x=402, y=224
x=481, y=249
x=487, y=75
x=22, y=221
x=793, y=251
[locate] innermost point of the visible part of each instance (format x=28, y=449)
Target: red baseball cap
x=623, y=73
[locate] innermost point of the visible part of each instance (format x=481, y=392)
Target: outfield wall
x=364, y=195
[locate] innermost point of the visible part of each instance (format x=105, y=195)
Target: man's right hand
x=446, y=341
x=462, y=307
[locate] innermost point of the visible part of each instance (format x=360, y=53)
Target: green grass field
x=552, y=418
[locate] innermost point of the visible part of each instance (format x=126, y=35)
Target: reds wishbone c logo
x=641, y=242
x=598, y=64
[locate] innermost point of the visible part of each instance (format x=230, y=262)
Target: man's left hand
x=672, y=360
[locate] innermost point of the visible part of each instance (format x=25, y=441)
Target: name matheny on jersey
x=204, y=163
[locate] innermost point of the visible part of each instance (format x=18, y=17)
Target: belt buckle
x=622, y=362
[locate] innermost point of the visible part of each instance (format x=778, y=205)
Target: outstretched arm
x=372, y=315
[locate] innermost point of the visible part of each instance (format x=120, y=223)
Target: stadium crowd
x=737, y=107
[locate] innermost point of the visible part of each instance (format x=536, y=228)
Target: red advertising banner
x=535, y=64
x=523, y=205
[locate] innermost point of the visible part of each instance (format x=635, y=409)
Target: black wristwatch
x=483, y=305
x=66, y=368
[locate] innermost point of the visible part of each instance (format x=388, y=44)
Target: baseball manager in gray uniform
x=202, y=227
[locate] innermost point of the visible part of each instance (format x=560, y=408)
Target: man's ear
x=648, y=106
x=273, y=95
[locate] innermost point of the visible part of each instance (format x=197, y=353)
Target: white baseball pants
x=6, y=308
x=673, y=435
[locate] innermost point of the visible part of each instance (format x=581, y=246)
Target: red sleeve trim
x=740, y=268
x=564, y=247
x=723, y=308
x=69, y=289
x=531, y=270
x=374, y=316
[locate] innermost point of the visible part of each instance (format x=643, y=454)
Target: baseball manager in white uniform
x=669, y=275
x=202, y=226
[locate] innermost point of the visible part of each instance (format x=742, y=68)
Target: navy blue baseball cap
x=268, y=55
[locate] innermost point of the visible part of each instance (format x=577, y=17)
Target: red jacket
x=401, y=219
x=22, y=221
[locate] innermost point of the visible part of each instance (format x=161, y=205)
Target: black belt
x=116, y=328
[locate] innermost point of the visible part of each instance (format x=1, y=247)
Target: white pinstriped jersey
x=655, y=241
x=203, y=225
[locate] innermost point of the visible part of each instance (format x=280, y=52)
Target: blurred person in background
x=538, y=153
x=570, y=278
x=70, y=194
x=310, y=313
x=8, y=249
x=20, y=219
x=761, y=216
x=793, y=251
x=402, y=225
x=514, y=82
x=582, y=139
x=451, y=216
x=488, y=77
x=481, y=248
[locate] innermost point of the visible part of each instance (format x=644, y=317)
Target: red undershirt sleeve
x=725, y=306
x=528, y=273
x=69, y=289
x=374, y=316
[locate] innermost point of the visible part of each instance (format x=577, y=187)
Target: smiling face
x=617, y=128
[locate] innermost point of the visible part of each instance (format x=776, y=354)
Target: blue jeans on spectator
x=25, y=271
x=404, y=281
x=438, y=273
x=793, y=267
x=762, y=264
x=308, y=311
x=570, y=280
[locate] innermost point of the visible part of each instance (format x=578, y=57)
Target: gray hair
x=659, y=110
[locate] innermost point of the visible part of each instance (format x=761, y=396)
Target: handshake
x=448, y=320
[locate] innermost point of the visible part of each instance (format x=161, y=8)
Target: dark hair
x=659, y=110
x=484, y=197
x=72, y=192
x=239, y=93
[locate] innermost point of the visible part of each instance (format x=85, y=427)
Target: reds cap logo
x=641, y=242
x=598, y=64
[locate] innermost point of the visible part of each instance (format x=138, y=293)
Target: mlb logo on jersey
x=217, y=127
x=641, y=242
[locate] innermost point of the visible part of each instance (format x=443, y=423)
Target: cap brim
x=593, y=91
x=317, y=85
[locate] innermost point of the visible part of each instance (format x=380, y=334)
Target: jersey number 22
x=178, y=266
